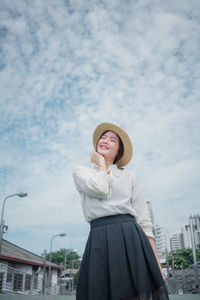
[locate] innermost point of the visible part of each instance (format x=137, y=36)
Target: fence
x=16, y=281
x=185, y=281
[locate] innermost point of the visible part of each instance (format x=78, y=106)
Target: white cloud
x=69, y=65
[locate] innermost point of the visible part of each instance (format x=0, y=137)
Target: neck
x=108, y=163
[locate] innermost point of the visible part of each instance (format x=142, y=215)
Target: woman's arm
x=152, y=242
x=92, y=183
x=140, y=206
x=143, y=219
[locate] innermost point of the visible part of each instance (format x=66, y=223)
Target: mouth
x=103, y=147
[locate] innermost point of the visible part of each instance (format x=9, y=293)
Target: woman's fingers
x=96, y=158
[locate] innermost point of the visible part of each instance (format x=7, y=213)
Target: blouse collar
x=115, y=170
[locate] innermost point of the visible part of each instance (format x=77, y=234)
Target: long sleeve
x=140, y=205
x=92, y=183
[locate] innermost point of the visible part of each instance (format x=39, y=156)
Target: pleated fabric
x=119, y=263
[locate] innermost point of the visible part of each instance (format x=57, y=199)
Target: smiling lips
x=104, y=147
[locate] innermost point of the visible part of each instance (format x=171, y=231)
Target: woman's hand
x=99, y=160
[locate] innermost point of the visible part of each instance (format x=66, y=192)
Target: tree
x=58, y=257
x=183, y=258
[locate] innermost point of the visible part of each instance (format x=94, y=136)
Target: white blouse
x=118, y=192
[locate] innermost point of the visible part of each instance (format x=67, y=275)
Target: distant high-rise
x=176, y=241
x=160, y=233
x=195, y=221
x=196, y=228
x=161, y=240
x=150, y=212
x=186, y=237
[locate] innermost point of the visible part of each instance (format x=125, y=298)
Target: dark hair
x=120, y=151
x=121, y=147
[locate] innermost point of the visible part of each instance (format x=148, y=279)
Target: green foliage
x=58, y=258
x=183, y=258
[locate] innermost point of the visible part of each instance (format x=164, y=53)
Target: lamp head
x=22, y=194
x=63, y=234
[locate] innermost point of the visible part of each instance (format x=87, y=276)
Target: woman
x=120, y=260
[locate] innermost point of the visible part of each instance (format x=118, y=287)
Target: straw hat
x=128, y=149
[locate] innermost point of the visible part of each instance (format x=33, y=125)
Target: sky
x=65, y=67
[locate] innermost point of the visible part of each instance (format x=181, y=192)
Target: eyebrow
x=113, y=137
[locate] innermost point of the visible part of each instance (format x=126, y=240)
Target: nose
x=105, y=141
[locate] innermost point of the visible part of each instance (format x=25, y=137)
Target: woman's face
x=108, y=145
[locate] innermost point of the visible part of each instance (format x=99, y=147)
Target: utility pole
x=44, y=272
x=196, y=280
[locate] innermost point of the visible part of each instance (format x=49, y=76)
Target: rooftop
x=12, y=252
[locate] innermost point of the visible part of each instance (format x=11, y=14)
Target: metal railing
x=185, y=281
x=16, y=281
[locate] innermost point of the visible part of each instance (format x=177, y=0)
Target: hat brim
x=128, y=148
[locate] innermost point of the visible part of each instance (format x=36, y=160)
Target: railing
x=16, y=281
x=185, y=281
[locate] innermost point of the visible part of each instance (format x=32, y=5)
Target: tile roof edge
x=16, y=259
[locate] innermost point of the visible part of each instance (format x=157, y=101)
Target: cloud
x=67, y=66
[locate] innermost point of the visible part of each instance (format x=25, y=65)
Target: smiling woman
x=120, y=260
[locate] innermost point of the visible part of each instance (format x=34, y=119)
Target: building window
x=35, y=281
x=28, y=282
x=18, y=282
x=9, y=276
x=1, y=280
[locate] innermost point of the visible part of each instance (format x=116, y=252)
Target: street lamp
x=192, y=227
x=68, y=251
x=61, y=235
x=73, y=263
x=2, y=212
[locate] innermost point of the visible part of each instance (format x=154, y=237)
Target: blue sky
x=65, y=67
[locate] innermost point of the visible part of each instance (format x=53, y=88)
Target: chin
x=101, y=152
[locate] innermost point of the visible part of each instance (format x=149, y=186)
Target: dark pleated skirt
x=119, y=263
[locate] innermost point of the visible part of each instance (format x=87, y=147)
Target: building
x=22, y=271
x=161, y=235
x=150, y=212
x=194, y=227
x=176, y=241
x=161, y=240
x=186, y=237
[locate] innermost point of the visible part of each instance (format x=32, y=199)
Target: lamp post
x=167, y=261
x=61, y=235
x=73, y=263
x=65, y=262
x=44, y=271
x=192, y=227
x=2, y=212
